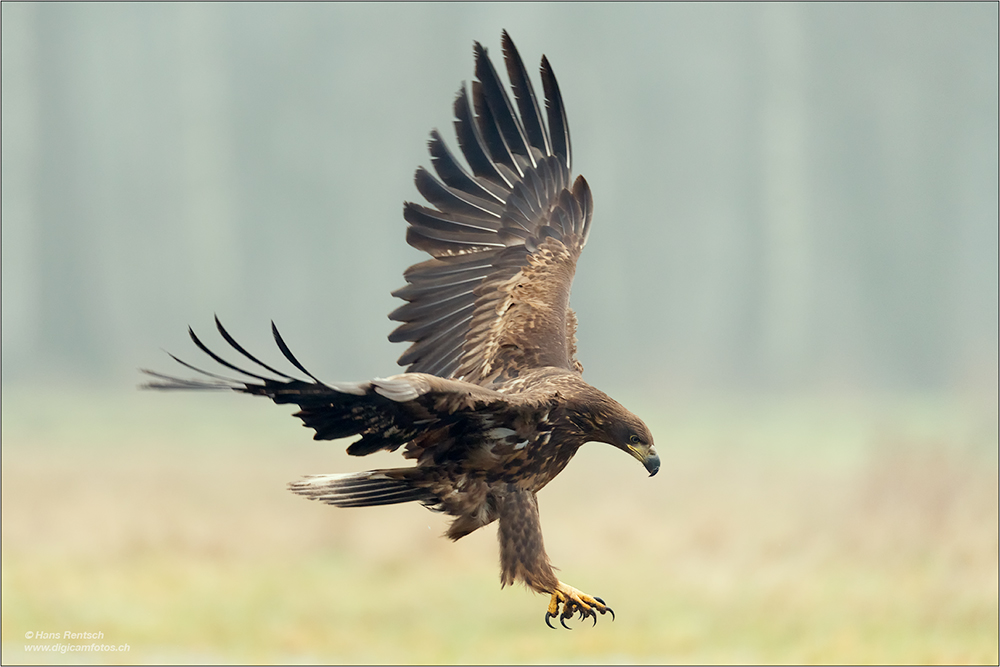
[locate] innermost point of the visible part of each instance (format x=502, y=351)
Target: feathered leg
x=523, y=558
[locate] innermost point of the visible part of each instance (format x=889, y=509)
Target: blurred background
x=792, y=277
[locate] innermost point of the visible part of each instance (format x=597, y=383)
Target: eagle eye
x=634, y=439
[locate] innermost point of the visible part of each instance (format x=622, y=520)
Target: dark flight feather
x=527, y=103
x=500, y=108
x=219, y=359
x=558, y=125
x=239, y=348
x=455, y=176
x=288, y=353
x=492, y=135
x=473, y=145
x=454, y=200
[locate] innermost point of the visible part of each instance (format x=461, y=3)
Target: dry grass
x=793, y=531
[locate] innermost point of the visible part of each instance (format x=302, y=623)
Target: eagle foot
x=574, y=602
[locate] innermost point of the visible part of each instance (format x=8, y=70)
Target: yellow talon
x=574, y=601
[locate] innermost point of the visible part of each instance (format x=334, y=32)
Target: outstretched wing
x=505, y=238
x=386, y=412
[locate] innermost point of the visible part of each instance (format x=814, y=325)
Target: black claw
x=595, y=619
x=562, y=619
x=606, y=607
x=547, y=617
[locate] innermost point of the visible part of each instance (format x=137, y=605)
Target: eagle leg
x=573, y=602
x=523, y=558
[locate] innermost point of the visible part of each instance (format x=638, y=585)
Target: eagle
x=492, y=404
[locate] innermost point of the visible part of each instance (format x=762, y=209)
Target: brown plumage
x=492, y=405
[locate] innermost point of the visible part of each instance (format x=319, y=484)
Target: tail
x=362, y=489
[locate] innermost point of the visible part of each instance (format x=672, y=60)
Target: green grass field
x=819, y=529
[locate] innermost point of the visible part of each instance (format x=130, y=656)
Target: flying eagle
x=492, y=405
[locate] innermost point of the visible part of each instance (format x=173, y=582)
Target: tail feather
x=360, y=489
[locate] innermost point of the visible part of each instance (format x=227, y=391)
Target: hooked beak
x=649, y=459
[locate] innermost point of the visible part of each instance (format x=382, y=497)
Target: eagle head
x=629, y=434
